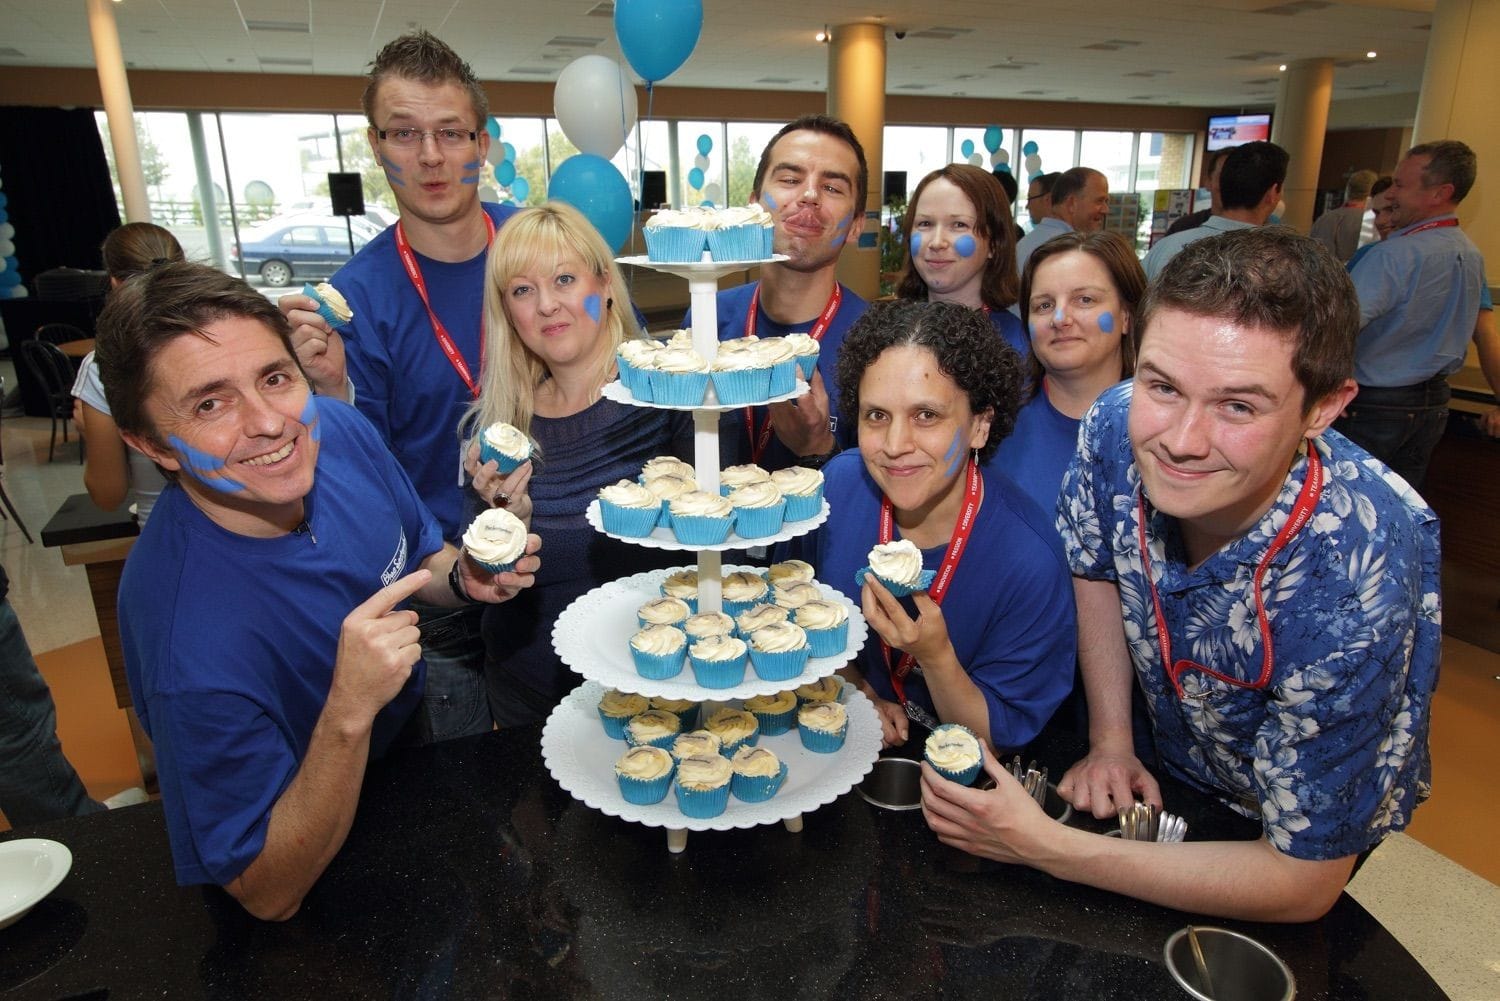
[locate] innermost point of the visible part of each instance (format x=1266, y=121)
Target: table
x=77, y=349
x=470, y=874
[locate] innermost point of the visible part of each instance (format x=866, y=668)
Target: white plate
x=30, y=869
x=581, y=757
x=697, y=269
x=592, y=636
x=662, y=538
x=617, y=392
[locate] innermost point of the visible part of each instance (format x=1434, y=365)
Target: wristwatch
x=456, y=584
x=816, y=461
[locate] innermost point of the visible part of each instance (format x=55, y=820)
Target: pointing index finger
x=392, y=594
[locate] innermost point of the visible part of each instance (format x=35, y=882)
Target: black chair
x=60, y=333
x=53, y=372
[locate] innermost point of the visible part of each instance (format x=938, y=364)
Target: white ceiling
x=1219, y=53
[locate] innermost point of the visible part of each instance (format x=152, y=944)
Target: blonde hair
x=536, y=239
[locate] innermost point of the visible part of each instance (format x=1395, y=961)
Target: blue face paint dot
x=916, y=244
x=1058, y=317
x=965, y=246
x=1107, y=322
x=591, y=307
x=206, y=469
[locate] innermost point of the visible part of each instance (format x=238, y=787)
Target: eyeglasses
x=447, y=138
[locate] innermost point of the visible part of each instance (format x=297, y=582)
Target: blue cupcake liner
x=750, y=385
x=828, y=642
x=758, y=522
x=675, y=244
x=924, y=581
x=679, y=389
x=783, y=378
x=802, y=508
x=699, y=530
x=821, y=741
x=967, y=775
x=751, y=741
x=508, y=463
x=736, y=243
x=718, y=673
x=614, y=725
x=645, y=792
x=702, y=803
x=734, y=609
x=775, y=724
x=324, y=310
x=658, y=666
x=767, y=241
x=496, y=568
x=640, y=386
x=692, y=603
x=781, y=666
x=665, y=743
x=631, y=522
x=757, y=788
x=807, y=365
x=688, y=719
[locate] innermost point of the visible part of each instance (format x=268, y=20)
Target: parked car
x=300, y=248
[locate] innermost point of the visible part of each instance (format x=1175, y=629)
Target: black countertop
x=470, y=874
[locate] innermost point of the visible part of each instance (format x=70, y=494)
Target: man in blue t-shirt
x=260, y=617
x=1271, y=587
x=410, y=356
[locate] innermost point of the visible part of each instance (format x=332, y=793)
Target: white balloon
x=4, y=265
x=7, y=248
x=7, y=231
x=701, y=162
x=1001, y=157
x=711, y=192
x=976, y=159
x=1033, y=163
x=489, y=194
x=595, y=104
x=19, y=292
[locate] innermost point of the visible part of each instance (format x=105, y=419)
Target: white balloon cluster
x=10, y=275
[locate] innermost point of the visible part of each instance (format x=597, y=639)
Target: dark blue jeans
x=1399, y=425
x=454, y=702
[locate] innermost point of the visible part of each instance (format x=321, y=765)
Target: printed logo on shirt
x=397, y=566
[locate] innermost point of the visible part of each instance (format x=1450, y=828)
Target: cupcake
x=616, y=708
x=779, y=651
x=680, y=378
x=777, y=353
x=332, y=306
x=738, y=476
x=805, y=350
x=803, y=489
x=697, y=742
x=666, y=488
x=505, y=444
x=686, y=710
x=757, y=774
x=703, y=785
x=663, y=612
x=706, y=624
x=658, y=652
x=737, y=237
x=682, y=584
x=645, y=775
x=955, y=752
x=794, y=596
x=739, y=378
x=822, y=726
x=718, y=661
x=823, y=690
x=827, y=626
x=628, y=509
x=675, y=237
x=899, y=566
x=495, y=540
x=776, y=714
x=742, y=589
x=757, y=509
x=734, y=728
x=668, y=465
x=789, y=572
x=635, y=360
x=760, y=615
x=655, y=727
x=700, y=518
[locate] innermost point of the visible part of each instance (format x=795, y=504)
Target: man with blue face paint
x=265, y=642
x=812, y=178
x=410, y=357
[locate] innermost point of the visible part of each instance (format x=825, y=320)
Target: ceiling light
x=823, y=36
x=1370, y=54
x=1282, y=67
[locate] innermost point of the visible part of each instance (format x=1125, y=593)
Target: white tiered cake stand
x=593, y=633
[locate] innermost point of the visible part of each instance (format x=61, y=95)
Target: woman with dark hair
x=113, y=473
x=1079, y=293
x=962, y=247
x=932, y=391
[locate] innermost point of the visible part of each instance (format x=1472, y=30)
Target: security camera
x=900, y=34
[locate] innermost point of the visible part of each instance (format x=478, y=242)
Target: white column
x=115, y=88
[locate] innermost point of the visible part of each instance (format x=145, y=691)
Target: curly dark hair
x=962, y=339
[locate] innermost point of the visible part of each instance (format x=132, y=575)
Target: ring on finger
x=502, y=499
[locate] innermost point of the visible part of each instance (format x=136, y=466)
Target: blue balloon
x=967, y=148
x=493, y=127
x=10, y=279
x=593, y=186
x=1030, y=148
x=1034, y=176
x=3, y=200
x=695, y=178
x=705, y=144
x=1003, y=167
x=521, y=190
x=992, y=137
x=657, y=36
x=505, y=172
x=4, y=216
x=510, y=152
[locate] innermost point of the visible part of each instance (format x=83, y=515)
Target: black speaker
x=653, y=189
x=895, y=186
x=346, y=193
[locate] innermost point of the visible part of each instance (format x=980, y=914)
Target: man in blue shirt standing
x=1419, y=293
x=1271, y=588
x=1080, y=201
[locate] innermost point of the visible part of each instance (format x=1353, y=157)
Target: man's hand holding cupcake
x=498, y=559
x=319, y=348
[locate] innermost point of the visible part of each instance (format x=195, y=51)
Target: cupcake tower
x=714, y=638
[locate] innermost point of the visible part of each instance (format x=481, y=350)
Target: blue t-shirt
x=1038, y=450
x=402, y=380
x=1009, y=608
x=230, y=641
x=1331, y=755
x=1010, y=327
x=733, y=307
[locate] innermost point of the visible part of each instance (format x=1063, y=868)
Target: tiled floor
x=1434, y=888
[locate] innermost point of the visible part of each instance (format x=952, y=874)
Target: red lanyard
x=1434, y=224
x=1307, y=501
x=962, y=529
x=758, y=442
x=445, y=341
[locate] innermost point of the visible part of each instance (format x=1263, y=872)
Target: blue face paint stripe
x=955, y=453
x=591, y=307
x=388, y=165
x=471, y=179
x=474, y=165
x=1107, y=322
x=768, y=202
x=309, y=418
x=206, y=469
x=843, y=224
x=965, y=246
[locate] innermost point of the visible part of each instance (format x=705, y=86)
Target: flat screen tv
x=1225, y=131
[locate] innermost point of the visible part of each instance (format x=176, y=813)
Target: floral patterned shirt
x=1331, y=753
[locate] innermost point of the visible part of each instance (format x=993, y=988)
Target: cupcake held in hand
x=898, y=565
x=505, y=444
x=332, y=306
x=955, y=753
x=495, y=540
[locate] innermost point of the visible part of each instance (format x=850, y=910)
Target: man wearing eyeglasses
x=410, y=357
x=1271, y=588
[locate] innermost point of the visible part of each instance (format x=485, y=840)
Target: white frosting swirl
x=822, y=614
x=745, y=215
x=507, y=440
x=653, y=724
x=658, y=639
x=735, y=361
x=899, y=562
x=761, y=493
x=664, y=611
x=790, y=572
x=732, y=725
x=639, y=351
x=761, y=615
x=697, y=742
x=669, y=465
x=952, y=748
x=823, y=690
x=802, y=345
x=675, y=706
x=334, y=300
x=644, y=763
x=689, y=218
x=682, y=584
x=708, y=624
x=738, y=476
x=798, y=481
x=829, y=717
x=779, y=637
x=703, y=771
x=496, y=536
x=755, y=762
x=794, y=596
x=680, y=361
x=778, y=702
x=773, y=350
x=627, y=493
x=701, y=504
x=617, y=703
x=665, y=486
x=718, y=648
x=742, y=585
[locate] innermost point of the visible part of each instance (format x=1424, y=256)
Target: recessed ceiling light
x=1370, y=54
x=1282, y=67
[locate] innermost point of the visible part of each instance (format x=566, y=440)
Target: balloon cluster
x=10, y=273
x=1033, y=160
x=999, y=159
x=502, y=159
x=710, y=193
x=596, y=107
